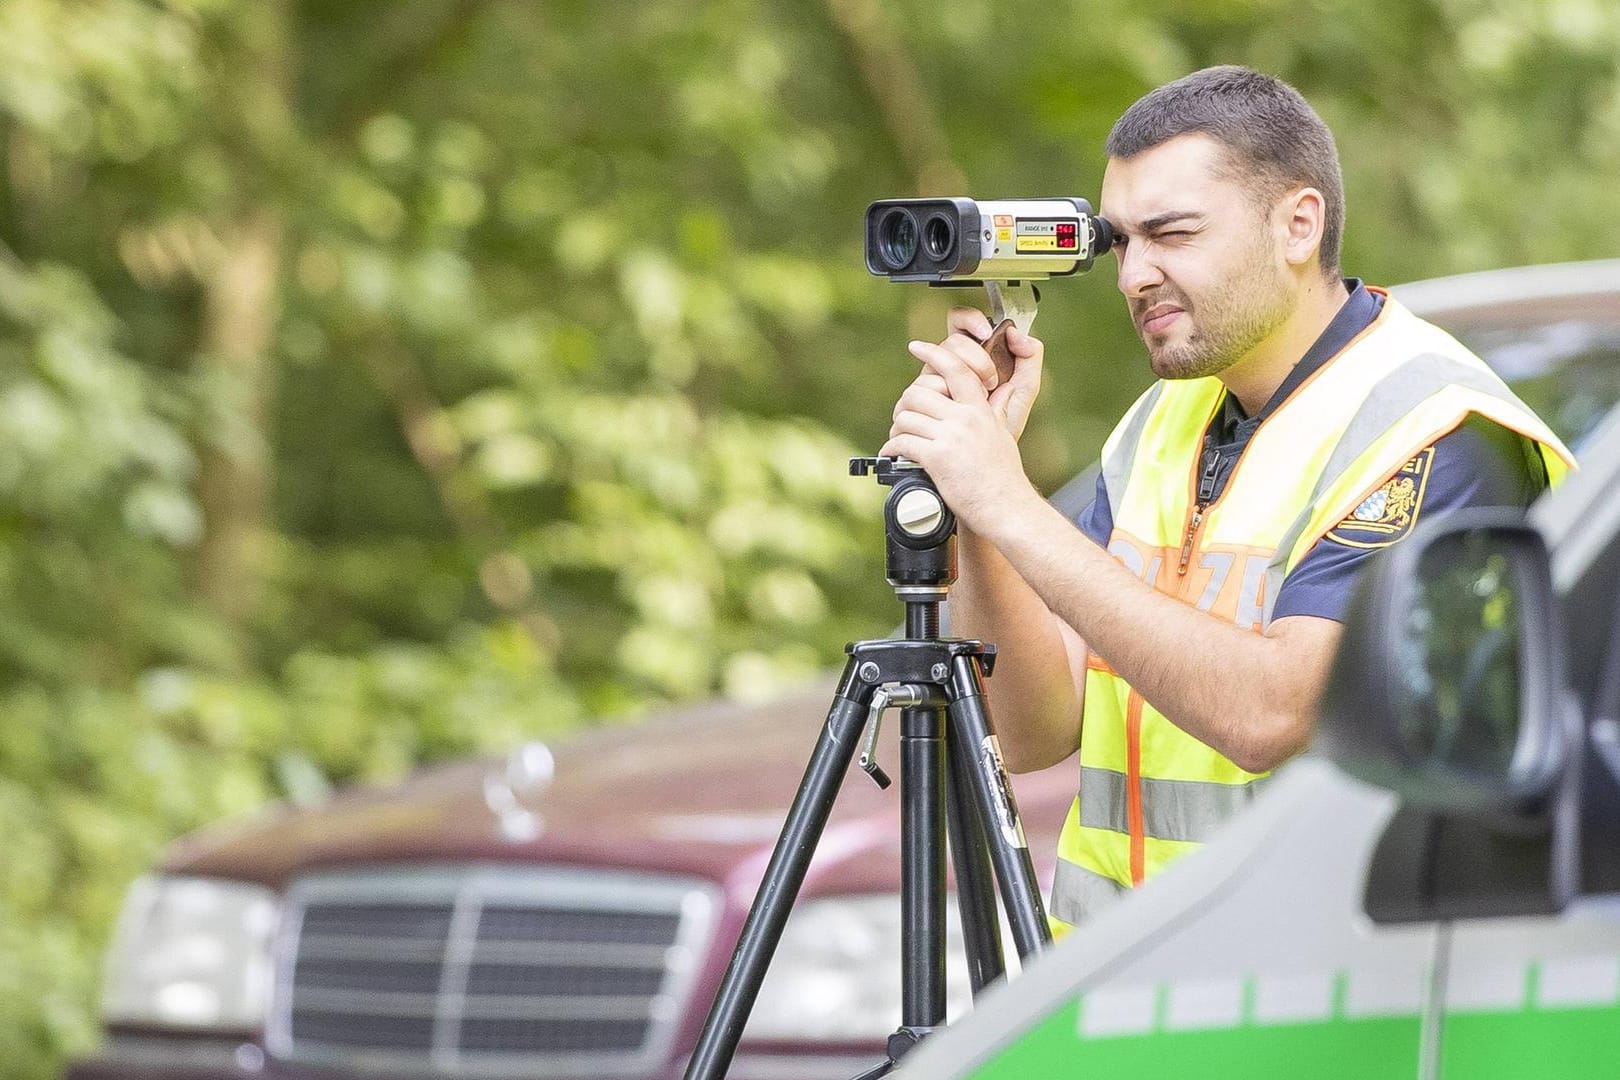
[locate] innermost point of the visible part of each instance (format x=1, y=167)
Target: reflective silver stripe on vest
x=1117, y=469
x=1078, y=893
x=1187, y=810
x=1396, y=395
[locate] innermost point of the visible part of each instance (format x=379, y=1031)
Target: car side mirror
x=1443, y=687
x=1448, y=691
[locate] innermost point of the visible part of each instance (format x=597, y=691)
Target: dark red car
x=565, y=913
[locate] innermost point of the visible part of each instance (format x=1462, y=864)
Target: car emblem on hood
x=512, y=789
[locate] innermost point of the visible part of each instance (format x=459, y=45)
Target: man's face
x=1200, y=264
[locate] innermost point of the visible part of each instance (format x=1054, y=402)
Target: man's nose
x=1137, y=271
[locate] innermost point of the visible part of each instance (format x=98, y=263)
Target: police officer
x=1181, y=634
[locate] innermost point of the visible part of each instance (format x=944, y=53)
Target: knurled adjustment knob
x=919, y=512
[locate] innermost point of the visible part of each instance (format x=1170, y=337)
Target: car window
x=1568, y=371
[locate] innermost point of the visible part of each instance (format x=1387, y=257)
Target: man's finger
x=1028, y=355
x=969, y=321
x=1012, y=400
x=960, y=380
x=920, y=399
x=928, y=379
x=974, y=356
x=1022, y=345
x=907, y=422
x=906, y=446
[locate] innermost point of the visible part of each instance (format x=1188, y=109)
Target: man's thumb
x=1021, y=344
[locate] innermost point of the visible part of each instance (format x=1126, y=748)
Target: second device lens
x=897, y=239
x=938, y=237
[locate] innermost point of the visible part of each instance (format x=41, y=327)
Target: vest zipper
x=1209, y=466
x=1206, y=493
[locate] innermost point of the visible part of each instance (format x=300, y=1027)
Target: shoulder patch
x=1388, y=513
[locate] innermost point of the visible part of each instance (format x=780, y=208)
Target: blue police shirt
x=1478, y=464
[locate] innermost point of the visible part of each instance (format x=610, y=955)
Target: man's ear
x=1304, y=216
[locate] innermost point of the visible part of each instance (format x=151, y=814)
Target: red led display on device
x=1067, y=237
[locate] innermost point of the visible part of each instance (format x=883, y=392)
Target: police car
x=1434, y=890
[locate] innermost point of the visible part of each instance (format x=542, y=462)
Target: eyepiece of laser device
x=961, y=241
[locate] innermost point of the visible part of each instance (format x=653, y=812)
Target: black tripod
x=950, y=768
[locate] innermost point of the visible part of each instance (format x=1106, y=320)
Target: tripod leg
x=975, y=895
x=922, y=867
x=1009, y=852
x=882, y=1068
x=783, y=877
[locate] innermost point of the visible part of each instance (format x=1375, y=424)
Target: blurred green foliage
x=385, y=380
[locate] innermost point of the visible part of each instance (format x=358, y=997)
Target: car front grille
x=488, y=970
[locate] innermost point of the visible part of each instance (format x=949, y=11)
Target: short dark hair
x=1273, y=138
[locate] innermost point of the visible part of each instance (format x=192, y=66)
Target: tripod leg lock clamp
x=869, y=741
x=928, y=663
x=887, y=697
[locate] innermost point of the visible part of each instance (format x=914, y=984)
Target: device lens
x=897, y=239
x=938, y=237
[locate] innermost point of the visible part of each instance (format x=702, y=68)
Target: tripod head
x=920, y=530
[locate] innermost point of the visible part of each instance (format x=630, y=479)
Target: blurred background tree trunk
x=241, y=305
x=234, y=466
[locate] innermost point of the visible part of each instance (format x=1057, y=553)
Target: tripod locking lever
x=885, y=696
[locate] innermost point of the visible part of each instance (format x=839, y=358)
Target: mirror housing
x=1444, y=689
x=1448, y=691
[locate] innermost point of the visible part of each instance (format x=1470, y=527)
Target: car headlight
x=836, y=972
x=192, y=953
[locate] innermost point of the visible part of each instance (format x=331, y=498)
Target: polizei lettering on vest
x=1228, y=580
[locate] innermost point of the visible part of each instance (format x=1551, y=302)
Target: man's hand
x=953, y=429
x=968, y=329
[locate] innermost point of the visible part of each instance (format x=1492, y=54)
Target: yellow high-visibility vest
x=1150, y=792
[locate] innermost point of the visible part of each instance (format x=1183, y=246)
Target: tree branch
x=388, y=76
x=894, y=82
x=502, y=573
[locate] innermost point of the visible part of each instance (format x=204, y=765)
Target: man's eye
x=1172, y=233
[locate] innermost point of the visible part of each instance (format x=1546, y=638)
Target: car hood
x=701, y=792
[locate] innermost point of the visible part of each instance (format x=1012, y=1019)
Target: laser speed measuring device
x=1003, y=244
x=966, y=241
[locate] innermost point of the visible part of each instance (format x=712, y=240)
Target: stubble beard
x=1227, y=323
